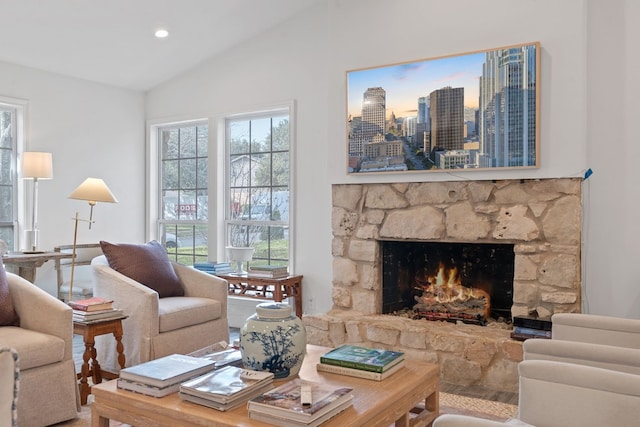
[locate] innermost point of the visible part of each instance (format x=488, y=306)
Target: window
x=8, y=175
x=183, y=169
x=259, y=185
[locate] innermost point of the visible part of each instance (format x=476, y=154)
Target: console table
x=408, y=398
x=26, y=263
x=266, y=288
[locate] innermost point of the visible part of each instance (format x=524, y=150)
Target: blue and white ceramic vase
x=273, y=339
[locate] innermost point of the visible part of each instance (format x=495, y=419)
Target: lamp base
x=31, y=241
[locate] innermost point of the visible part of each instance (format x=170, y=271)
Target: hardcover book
x=277, y=268
x=283, y=422
x=284, y=401
x=359, y=373
x=221, y=353
x=149, y=390
x=91, y=304
x=167, y=370
x=267, y=274
x=367, y=359
x=227, y=387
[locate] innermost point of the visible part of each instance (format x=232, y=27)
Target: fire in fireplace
x=469, y=282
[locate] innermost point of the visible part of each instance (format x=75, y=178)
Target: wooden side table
x=89, y=331
x=267, y=288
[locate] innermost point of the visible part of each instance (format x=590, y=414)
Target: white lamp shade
x=93, y=190
x=36, y=164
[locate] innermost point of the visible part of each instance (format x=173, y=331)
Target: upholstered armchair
x=158, y=326
x=8, y=387
x=48, y=391
x=556, y=394
x=595, y=329
x=586, y=339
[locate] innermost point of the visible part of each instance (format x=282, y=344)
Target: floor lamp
x=92, y=190
x=36, y=165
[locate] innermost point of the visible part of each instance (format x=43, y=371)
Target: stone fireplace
x=542, y=220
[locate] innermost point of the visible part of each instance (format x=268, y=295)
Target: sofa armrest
x=596, y=329
x=451, y=420
x=199, y=284
x=570, y=395
x=600, y=356
x=41, y=312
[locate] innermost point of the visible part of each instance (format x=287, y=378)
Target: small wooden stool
x=89, y=331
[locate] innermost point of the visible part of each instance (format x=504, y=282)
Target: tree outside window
x=259, y=186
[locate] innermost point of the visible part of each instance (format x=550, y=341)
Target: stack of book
x=299, y=403
x=268, y=271
x=161, y=377
x=213, y=267
x=361, y=362
x=530, y=327
x=221, y=353
x=226, y=388
x=95, y=309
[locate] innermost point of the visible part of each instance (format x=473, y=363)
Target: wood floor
x=469, y=391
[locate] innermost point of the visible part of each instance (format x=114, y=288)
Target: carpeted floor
x=449, y=404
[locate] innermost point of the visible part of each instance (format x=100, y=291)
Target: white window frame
x=21, y=108
x=290, y=110
x=153, y=184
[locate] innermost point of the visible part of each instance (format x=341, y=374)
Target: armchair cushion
x=8, y=315
x=147, y=264
x=179, y=312
x=29, y=345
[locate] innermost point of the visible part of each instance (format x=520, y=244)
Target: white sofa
x=156, y=327
x=592, y=340
x=48, y=391
x=556, y=394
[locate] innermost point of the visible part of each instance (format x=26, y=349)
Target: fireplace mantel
x=541, y=218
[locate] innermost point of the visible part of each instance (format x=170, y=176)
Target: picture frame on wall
x=463, y=112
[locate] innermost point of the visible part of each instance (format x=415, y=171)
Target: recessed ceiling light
x=162, y=34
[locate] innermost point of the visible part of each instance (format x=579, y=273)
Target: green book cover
x=364, y=358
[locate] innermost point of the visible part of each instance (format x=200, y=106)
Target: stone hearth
x=541, y=218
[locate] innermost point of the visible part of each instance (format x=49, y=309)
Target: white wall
x=92, y=130
x=588, y=102
x=284, y=65
x=612, y=228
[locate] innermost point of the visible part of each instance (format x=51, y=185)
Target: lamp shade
x=36, y=164
x=93, y=190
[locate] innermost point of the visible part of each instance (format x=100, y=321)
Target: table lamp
x=92, y=190
x=36, y=165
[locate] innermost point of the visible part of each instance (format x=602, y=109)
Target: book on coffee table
x=227, y=387
x=364, y=358
x=167, y=370
x=360, y=373
x=147, y=389
x=284, y=403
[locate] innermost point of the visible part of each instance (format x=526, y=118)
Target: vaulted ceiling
x=113, y=42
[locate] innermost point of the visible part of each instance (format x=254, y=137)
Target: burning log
x=446, y=299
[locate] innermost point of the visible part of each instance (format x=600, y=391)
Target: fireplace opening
x=468, y=282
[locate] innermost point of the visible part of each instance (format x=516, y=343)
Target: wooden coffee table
x=375, y=403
